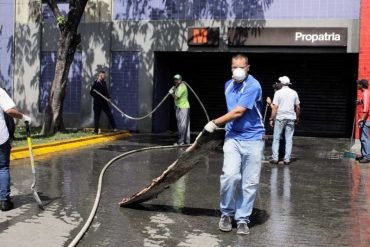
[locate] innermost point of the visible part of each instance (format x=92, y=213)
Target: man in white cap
x=285, y=114
x=180, y=94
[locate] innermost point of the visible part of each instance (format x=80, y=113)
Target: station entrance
x=325, y=83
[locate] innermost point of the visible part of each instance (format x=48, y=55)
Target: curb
x=57, y=146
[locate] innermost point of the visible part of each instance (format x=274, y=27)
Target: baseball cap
x=177, y=77
x=285, y=80
x=363, y=82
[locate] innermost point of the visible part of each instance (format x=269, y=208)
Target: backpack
x=10, y=124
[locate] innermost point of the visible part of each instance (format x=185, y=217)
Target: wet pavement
x=320, y=199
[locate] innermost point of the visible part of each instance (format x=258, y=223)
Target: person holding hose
x=243, y=146
x=180, y=94
x=101, y=104
x=6, y=105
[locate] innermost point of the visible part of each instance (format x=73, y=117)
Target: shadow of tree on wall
x=163, y=27
x=72, y=102
x=96, y=38
x=90, y=37
x=191, y=10
x=6, y=50
x=94, y=35
x=26, y=55
x=10, y=50
x=3, y=81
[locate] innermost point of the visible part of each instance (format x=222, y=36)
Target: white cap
x=285, y=80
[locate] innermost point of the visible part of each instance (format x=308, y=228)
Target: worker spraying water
x=182, y=107
x=244, y=101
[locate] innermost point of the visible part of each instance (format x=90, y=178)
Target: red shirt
x=366, y=103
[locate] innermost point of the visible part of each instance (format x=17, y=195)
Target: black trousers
x=98, y=108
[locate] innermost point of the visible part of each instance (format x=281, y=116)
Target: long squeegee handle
x=28, y=132
x=29, y=143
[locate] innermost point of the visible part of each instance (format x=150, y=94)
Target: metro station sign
x=241, y=36
x=203, y=36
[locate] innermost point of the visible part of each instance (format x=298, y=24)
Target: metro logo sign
x=200, y=36
x=203, y=36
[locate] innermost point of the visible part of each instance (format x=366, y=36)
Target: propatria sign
x=241, y=36
x=314, y=37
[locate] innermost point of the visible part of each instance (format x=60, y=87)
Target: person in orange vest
x=364, y=121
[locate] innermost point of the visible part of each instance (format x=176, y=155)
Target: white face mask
x=239, y=74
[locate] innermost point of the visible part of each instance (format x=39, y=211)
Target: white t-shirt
x=5, y=104
x=285, y=99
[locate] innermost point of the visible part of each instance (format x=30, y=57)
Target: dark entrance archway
x=325, y=83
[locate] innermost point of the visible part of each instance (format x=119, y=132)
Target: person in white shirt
x=285, y=115
x=6, y=105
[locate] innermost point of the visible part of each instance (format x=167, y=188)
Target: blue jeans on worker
x=240, y=178
x=285, y=127
x=4, y=171
x=365, y=139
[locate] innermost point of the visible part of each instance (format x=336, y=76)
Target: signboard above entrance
x=242, y=36
x=203, y=36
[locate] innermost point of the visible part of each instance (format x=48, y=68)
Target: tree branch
x=57, y=14
x=76, y=10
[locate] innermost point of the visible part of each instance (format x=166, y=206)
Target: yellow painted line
x=51, y=147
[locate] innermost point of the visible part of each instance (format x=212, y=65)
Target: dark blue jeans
x=365, y=140
x=4, y=171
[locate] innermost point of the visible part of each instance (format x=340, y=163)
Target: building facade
x=142, y=44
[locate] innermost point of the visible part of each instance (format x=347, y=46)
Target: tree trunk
x=67, y=45
x=53, y=121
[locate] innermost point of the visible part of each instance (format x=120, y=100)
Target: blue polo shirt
x=247, y=94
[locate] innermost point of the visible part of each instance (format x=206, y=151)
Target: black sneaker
x=364, y=160
x=274, y=162
x=243, y=228
x=359, y=157
x=6, y=205
x=225, y=224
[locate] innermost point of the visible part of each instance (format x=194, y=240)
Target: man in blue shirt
x=243, y=146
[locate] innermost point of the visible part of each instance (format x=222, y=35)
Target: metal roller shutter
x=324, y=82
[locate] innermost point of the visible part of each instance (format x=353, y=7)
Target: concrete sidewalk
x=62, y=145
x=321, y=199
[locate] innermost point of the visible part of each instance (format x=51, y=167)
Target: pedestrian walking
x=182, y=107
x=364, y=121
x=277, y=86
x=7, y=105
x=99, y=103
x=243, y=146
x=284, y=116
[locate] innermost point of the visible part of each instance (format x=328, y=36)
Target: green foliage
x=21, y=137
x=61, y=21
